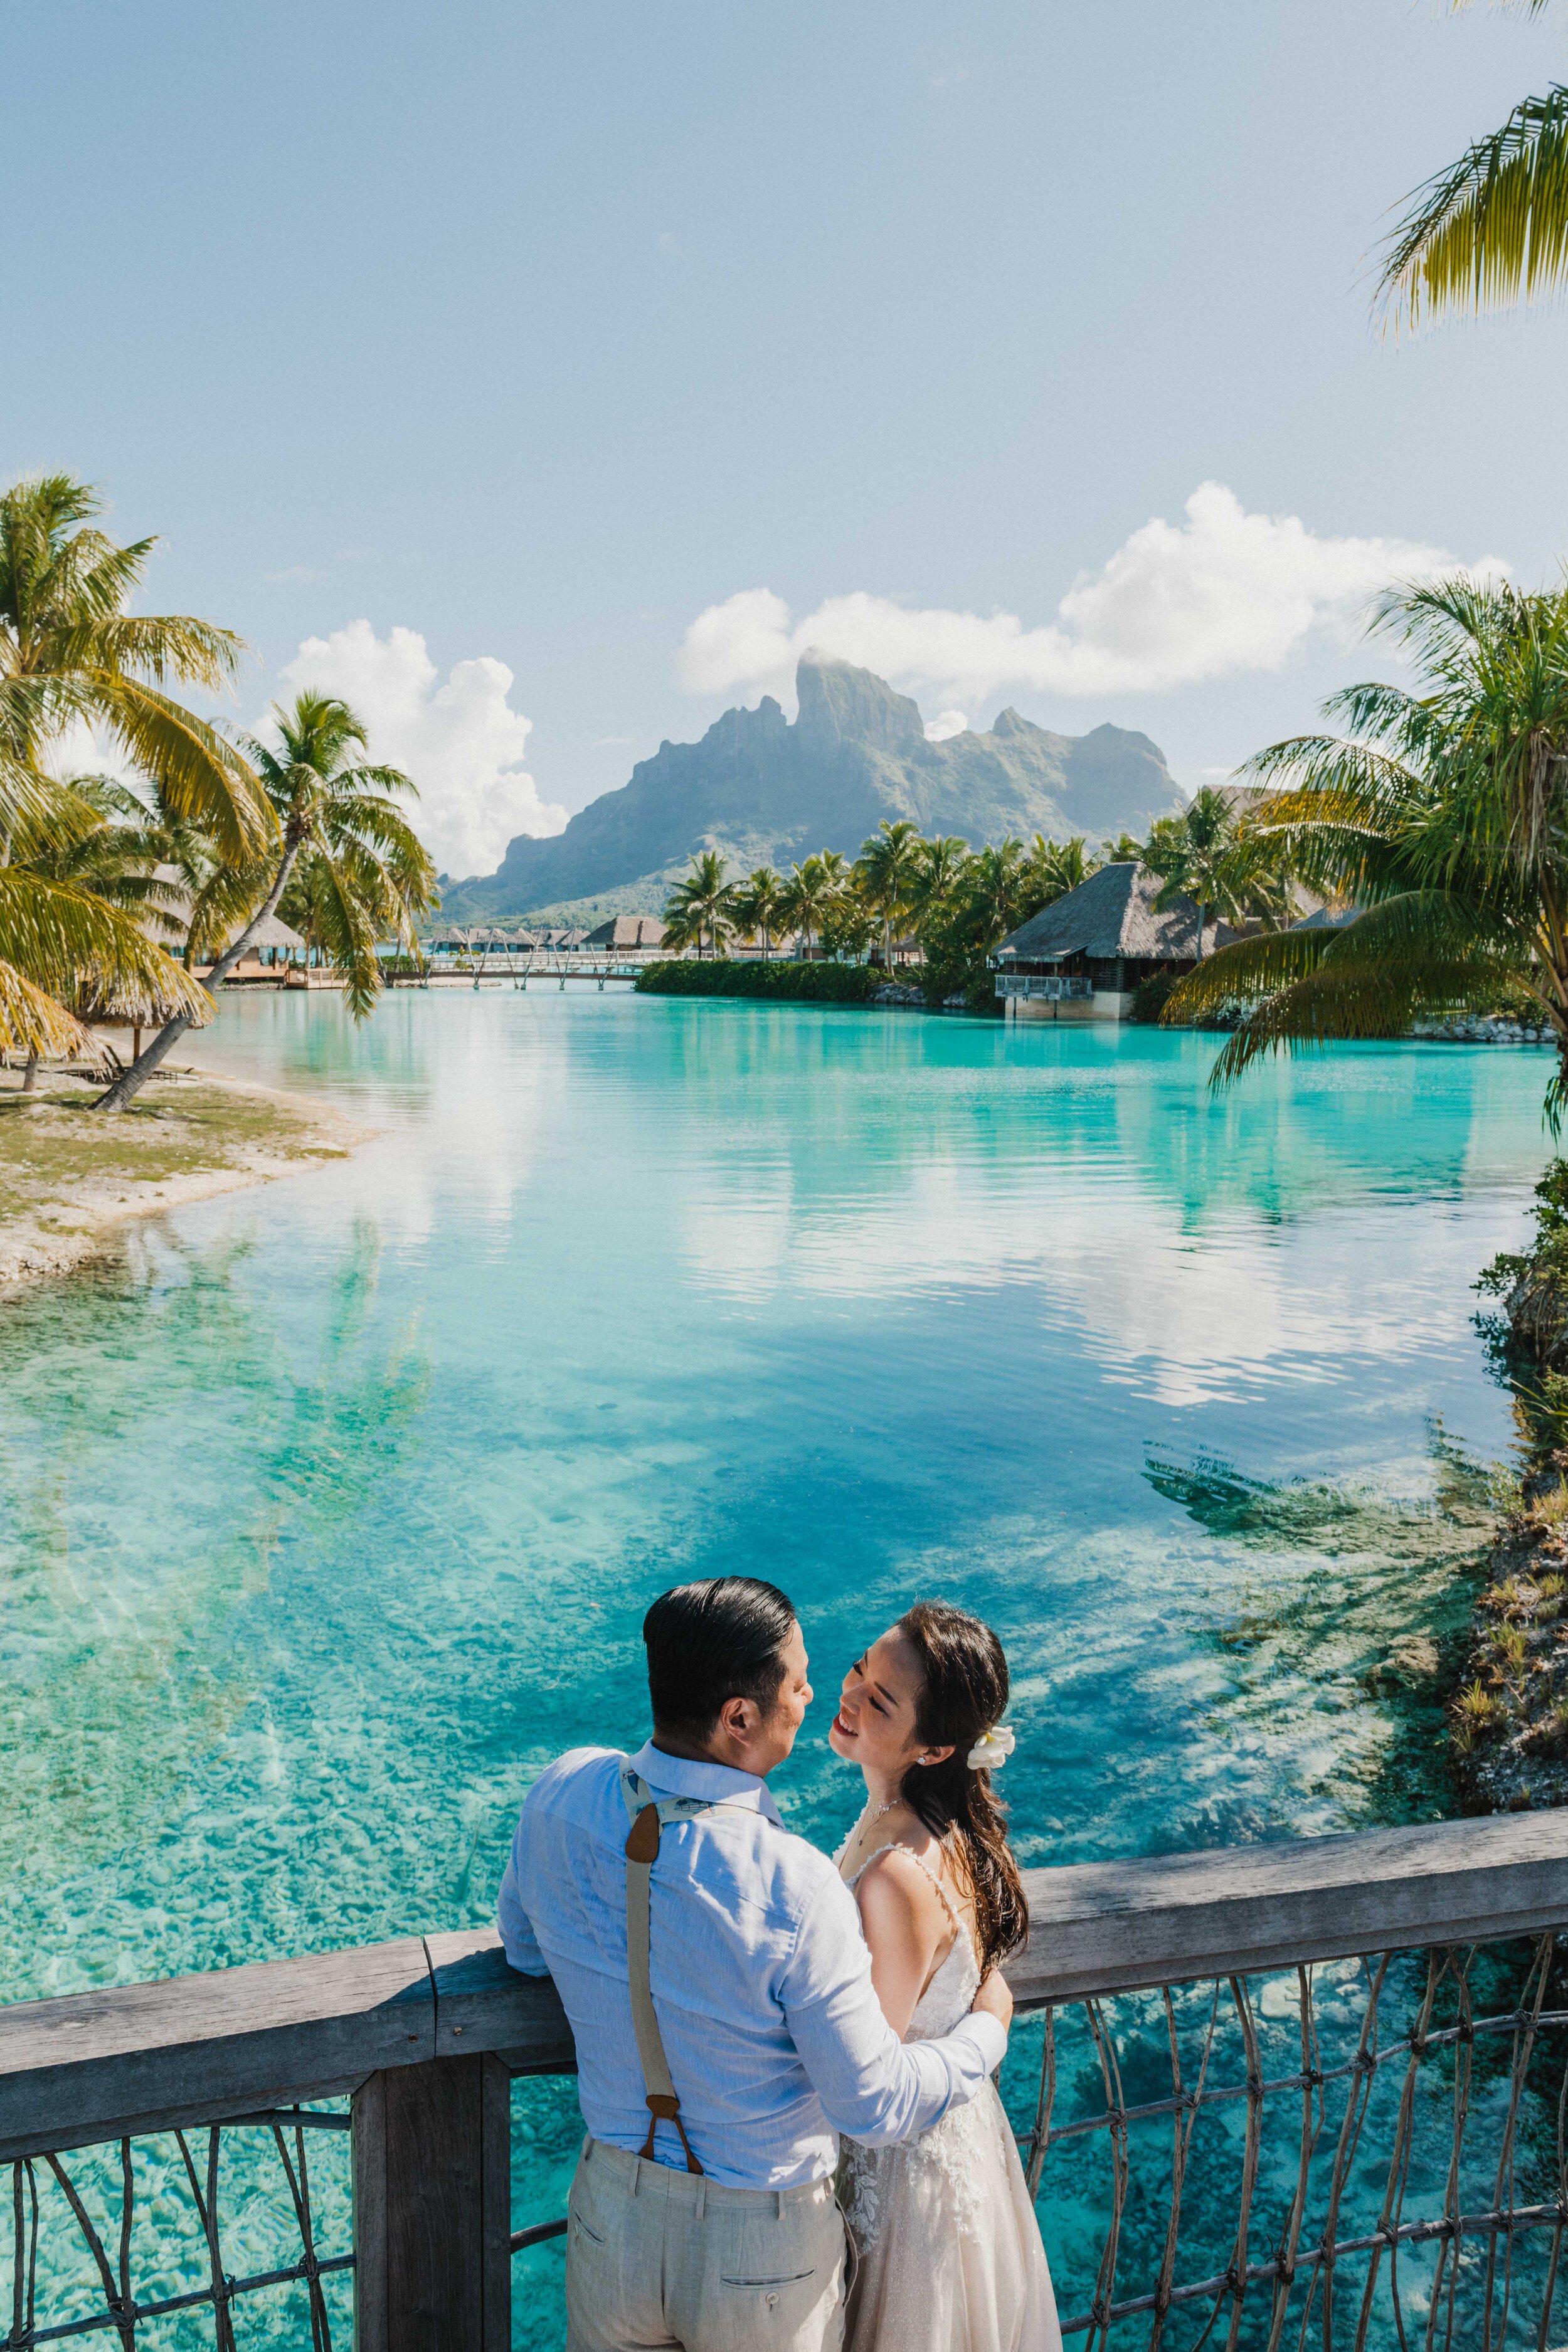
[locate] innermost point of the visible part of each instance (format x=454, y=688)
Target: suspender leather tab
x=642, y=1851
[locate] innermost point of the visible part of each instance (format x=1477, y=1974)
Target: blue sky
x=536, y=333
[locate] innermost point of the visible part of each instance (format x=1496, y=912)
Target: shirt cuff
x=989, y=2031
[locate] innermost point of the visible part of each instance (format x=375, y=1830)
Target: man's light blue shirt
x=761, y=1976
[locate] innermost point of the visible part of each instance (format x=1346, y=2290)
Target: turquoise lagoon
x=330, y=1510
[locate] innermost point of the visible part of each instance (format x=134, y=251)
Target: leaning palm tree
x=758, y=904
x=1493, y=226
x=1440, y=824
x=701, y=908
x=887, y=876
x=343, y=836
x=73, y=658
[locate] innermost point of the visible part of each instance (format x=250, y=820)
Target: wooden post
x=433, y=2207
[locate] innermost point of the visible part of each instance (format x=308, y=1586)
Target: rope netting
x=1369, y=2153
x=125, y=2210
x=1360, y=2155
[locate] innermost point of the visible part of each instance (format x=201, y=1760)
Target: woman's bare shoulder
x=897, y=1877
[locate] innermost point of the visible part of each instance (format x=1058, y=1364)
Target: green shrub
x=1149, y=996
x=785, y=982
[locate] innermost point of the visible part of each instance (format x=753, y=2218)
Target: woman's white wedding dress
x=951, y=2258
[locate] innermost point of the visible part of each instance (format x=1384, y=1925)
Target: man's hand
x=996, y=1999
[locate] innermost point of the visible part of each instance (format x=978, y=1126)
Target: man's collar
x=683, y=1776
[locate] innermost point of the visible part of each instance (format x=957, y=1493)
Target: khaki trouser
x=659, y=2258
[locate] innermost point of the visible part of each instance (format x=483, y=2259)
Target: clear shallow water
x=332, y=1510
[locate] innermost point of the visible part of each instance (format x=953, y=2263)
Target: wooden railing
x=426, y=2035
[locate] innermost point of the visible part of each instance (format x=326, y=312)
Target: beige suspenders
x=642, y=1851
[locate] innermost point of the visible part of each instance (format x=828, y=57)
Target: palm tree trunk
x=30, y=1074
x=1202, y=912
x=130, y=1080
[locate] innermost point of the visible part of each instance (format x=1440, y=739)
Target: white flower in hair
x=992, y=1750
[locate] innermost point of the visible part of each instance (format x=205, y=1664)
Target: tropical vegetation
x=348, y=868
x=1436, y=823
x=957, y=905
x=113, y=889
x=1490, y=228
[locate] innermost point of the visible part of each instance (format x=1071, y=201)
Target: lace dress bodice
x=949, y=2254
x=949, y=2147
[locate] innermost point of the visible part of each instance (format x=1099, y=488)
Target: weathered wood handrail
x=425, y=2032
x=87, y=2067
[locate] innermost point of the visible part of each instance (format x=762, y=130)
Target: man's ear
x=737, y=1718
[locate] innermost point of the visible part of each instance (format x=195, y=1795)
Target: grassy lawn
x=64, y=1167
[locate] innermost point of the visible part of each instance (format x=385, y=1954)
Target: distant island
x=763, y=792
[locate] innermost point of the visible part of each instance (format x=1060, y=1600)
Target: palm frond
x=33, y=1022
x=1366, y=1000
x=69, y=942
x=200, y=775
x=1244, y=971
x=1493, y=227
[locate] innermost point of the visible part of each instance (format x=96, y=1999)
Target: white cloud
x=462, y=742
x=1220, y=594
x=945, y=723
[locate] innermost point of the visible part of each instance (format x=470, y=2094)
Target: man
x=702, y=2213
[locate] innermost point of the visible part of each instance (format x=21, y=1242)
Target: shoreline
x=53, y=1221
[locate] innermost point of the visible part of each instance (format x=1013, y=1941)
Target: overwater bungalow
x=628, y=934
x=1083, y=957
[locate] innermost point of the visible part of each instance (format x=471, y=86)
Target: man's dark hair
x=708, y=1643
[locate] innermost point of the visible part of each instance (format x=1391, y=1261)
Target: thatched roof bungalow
x=628, y=934
x=1083, y=956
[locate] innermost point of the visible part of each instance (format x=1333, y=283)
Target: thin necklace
x=869, y=1822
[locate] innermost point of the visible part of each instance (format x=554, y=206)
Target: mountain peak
x=840, y=705
x=762, y=790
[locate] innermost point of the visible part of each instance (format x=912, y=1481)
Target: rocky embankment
x=1484, y=1029
x=1509, y=1719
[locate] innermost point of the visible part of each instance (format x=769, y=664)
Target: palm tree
x=758, y=904
x=1052, y=868
x=1442, y=816
x=1492, y=227
x=810, y=892
x=102, y=846
x=887, y=876
x=992, y=893
x=72, y=657
x=345, y=844
x=939, y=869
x=702, y=905
x=71, y=654
x=1202, y=857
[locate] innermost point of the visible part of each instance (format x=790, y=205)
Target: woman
x=951, y=2258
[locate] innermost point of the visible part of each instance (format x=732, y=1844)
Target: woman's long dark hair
x=963, y=1691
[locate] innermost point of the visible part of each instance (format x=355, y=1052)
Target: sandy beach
x=69, y=1179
